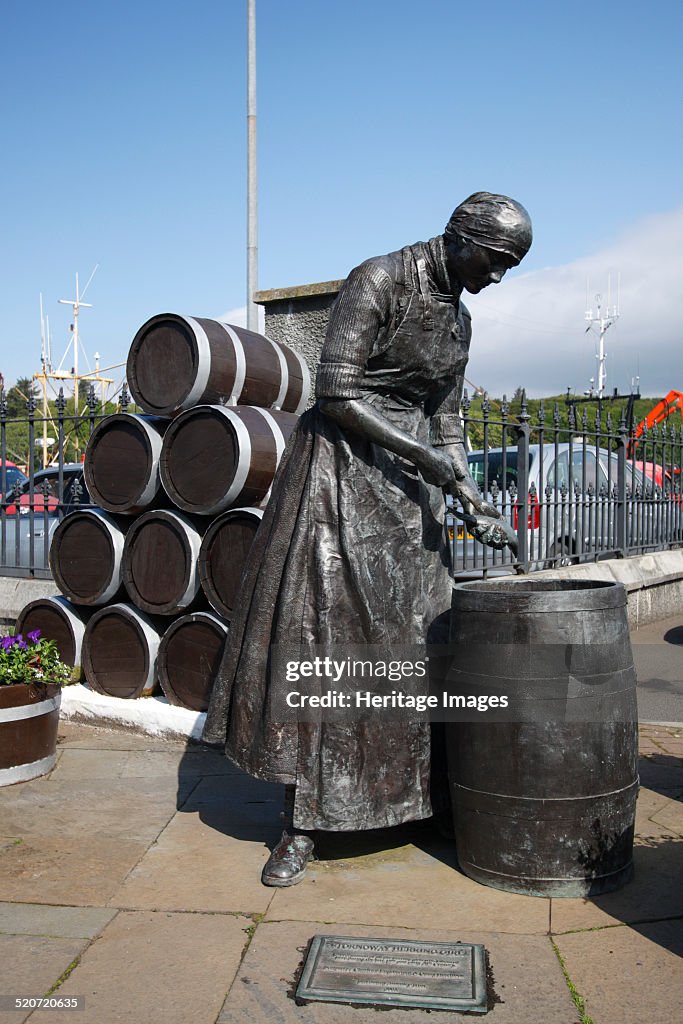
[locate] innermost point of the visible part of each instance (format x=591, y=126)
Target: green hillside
x=544, y=410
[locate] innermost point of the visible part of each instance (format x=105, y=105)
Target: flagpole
x=252, y=224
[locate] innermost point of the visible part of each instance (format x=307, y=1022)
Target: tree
x=18, y=395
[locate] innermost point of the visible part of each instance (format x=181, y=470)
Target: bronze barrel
x=159, y=563
x=29, y=719
x=120, y=651
x=214, y=458
x=58, y=620
x=544, y=792
x=121, y=465
x=176, y=362
x=85, y=556
x=223, y=553
x=189, y=656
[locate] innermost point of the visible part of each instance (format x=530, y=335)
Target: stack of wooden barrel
x=149, y=578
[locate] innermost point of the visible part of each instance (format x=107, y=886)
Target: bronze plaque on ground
x=395, y=972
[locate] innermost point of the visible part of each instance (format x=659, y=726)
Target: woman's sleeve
x=362, y=310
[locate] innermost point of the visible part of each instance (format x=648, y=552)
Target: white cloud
x=530, y=329
x=238, y=317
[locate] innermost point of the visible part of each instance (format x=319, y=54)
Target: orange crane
x=661, y=411
x=673, y=401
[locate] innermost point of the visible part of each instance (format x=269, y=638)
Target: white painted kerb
x=153, y=716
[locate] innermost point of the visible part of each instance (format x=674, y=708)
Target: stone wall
x=299, y=317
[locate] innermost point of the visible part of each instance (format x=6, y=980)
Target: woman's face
x=473, y=267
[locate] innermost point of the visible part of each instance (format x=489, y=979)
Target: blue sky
x=124, y=145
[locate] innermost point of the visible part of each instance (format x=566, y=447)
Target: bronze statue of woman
x=352, y=547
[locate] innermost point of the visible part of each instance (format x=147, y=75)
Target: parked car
x=571, y=502
x=10, y=476
x=27, y=523
x=667, y=478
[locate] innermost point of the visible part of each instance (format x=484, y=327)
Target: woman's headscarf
x=493, y=221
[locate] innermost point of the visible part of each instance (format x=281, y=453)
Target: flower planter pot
x=29, y=718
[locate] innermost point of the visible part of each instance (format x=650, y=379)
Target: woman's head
x=486, y=235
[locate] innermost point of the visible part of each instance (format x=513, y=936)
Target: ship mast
x=48, y=373
x=604, y=319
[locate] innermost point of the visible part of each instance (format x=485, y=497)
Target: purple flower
x=34, y=635
x=21, y=642
x=7, y=642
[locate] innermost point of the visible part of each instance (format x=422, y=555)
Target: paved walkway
x=130, y=876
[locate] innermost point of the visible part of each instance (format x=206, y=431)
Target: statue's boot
x=288, y=861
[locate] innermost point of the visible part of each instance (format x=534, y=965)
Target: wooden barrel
x=29, y=719
x=176, y=362
x=223, y=553
x=85, y=556
x=58, y=620
x=160, y=563
x=189, y=657
x=544, y=795
x=120, y=651
x=122, y=463
x=214, y=458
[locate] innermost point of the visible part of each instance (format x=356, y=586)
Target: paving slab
x=206, y=761
x=662, y=772
x=628, y=976
x=653, y=632
x=83, y=871
x=102, y=763
x=648, y=807
x=31, y=964
x=670, y=743
x=670, y=817
x=404, y=886
x=656, y=892
x=195, y=866
x=90, y=764
x=165, y=967
x=526, y=977
x=132, y=809
x=62, y=922
x=81, y=734
x=236, y=797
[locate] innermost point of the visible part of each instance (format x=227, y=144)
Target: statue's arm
x=364, y=308
x=360, y=418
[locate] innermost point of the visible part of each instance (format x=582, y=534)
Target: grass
x=577, y=998
x=250, y=930
x=62, y=978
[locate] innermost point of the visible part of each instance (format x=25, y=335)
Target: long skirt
x=351, y=550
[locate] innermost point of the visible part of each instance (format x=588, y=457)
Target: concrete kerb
x=153, y=716
x=16, y=593
x=653, y=582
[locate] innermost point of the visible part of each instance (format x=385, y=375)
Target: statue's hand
x=436, y=468
x=471, y=498
x=465, y=487
x=495, y=533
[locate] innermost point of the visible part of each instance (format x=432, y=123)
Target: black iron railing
x=36, y=497
x=575, y=489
